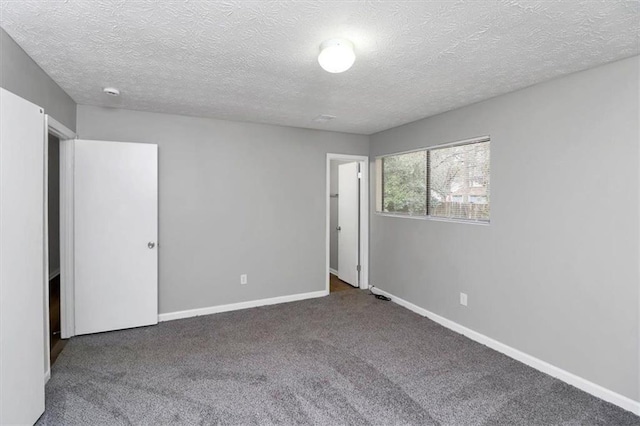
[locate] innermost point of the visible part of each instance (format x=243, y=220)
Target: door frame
x=66, y=136
x=363, y=160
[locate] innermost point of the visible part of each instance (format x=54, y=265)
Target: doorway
x=56, y=234
x=92, y=248
x=56, y=343
x=347, y=222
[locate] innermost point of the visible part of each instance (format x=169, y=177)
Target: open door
x=348, y=223
x=116, y=233
x=22, y=260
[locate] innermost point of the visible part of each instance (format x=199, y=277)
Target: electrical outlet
x=243, y=279
x=463, y=299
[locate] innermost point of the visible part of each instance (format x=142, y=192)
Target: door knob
x=151, y=244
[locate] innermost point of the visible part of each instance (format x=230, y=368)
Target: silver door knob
x=151, y=244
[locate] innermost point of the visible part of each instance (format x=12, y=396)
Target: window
x=456, y=177
x=405, y=183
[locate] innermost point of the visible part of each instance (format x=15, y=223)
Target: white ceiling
x=257, y=60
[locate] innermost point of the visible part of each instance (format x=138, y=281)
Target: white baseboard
x=241, y=305
x=333, y=271
x=54, y=274
x=47, y=375
x=543, y=366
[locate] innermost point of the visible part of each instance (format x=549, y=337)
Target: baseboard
x=54, y=274
x=47, y=375
x=241, y=305
x=333, y=271
x=540, y=365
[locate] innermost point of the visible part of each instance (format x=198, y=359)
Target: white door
x=22, y=274
x=348, y=223
x=116, y=233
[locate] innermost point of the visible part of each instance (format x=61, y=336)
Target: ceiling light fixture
x=111, y=91
x=336, y=55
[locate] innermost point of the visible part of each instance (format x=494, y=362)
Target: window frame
x=379, y=185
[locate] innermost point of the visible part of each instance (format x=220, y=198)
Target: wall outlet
x=463, y=299
x=243, y=279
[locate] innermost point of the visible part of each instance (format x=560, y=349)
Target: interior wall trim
x=67, y=260
x=59, y=130
x=540, y=365
x=240, y=305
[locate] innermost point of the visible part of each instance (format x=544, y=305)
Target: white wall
x=234, y=198
x=555, y=274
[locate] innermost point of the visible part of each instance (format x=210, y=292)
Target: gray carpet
x=343, y=359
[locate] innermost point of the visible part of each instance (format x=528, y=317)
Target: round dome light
x=336, y=55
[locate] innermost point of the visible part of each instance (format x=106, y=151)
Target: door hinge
x=359, y=175
x=358, y=268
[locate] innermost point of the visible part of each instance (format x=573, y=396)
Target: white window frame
x=379, y=189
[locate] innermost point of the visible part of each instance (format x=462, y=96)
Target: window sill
x=433, y=218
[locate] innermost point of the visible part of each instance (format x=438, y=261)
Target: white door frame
x=66, y=137
x=67, y=259
x=363, y=160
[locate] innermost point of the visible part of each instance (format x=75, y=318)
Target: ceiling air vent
x=323, y=118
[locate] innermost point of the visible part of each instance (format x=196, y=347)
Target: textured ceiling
x=257, y=60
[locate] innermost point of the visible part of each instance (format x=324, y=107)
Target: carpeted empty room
x=320, y=212
x=348, y=358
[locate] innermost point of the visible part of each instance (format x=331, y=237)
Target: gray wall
x=54, y=204
x=555, y=275
x=21, y=75
x=234, y=198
